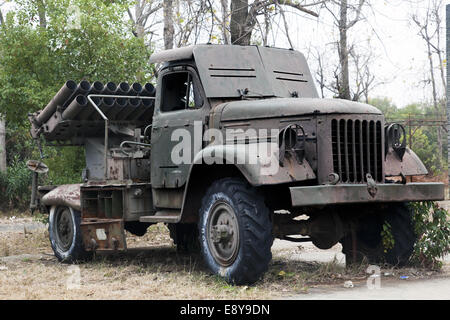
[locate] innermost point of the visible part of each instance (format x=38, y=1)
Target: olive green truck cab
x=233, y=149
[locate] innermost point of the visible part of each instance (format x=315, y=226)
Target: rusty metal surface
x=37, y=166
x=64, y=195
x=256, y=173
x=352, y=193
x=410, y=165
x=103, y=234
x=124, y=201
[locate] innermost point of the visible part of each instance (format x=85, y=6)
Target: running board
x=168, y=216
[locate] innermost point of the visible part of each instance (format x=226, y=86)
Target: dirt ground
x=152, y=269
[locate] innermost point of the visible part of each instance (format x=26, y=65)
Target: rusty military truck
x=233, y=149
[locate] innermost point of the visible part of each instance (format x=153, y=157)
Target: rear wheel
x=367, y=239
x=235, y=231
x=65, y=234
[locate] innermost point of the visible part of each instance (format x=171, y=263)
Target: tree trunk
x=344, y=85
x=435, y=100
x=2, y=21
x=42, y=14
x=240, y=33
x=225, y=18
x=138, y=12
x=2, y=145
x=169, y=30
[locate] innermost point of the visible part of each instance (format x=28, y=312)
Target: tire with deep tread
x=76, y=252
x=369, y=240
x=254, y=225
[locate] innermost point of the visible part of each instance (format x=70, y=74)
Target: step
x=168, y=216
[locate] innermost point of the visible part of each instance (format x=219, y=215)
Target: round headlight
x=288, y=137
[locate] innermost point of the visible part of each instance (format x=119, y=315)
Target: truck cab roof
x=228, y=71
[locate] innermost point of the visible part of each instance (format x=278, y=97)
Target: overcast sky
x=401, y=58
x=400, y=54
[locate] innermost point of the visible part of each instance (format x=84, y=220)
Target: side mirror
x=37, y=166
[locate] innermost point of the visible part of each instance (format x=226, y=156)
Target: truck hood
x=286, y=107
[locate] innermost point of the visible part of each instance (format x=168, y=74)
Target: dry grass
x=16, y=243
x=151, y=269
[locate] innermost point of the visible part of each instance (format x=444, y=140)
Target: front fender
x=410, y=165
x=258, y=163
x=262, y=170
x=65, y=195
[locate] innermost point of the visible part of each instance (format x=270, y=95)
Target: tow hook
x=371, y=186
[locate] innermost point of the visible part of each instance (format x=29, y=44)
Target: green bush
x=432, y=227
x=65, y=165
x=15, y=186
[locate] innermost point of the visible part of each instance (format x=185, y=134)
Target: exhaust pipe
x=58, y=100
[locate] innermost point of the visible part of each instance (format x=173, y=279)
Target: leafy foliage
x=15, y=186
x=82, y=39
x=386, y=237
x=424, y=139
x=432, y=227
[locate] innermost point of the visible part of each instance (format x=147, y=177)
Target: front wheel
x=65, y=234
x=235, y=231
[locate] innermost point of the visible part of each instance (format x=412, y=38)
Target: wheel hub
x=223, y=238
x=64, y=229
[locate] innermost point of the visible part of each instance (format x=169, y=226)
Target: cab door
x=177, y=131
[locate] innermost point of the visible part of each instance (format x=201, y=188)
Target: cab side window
x=179, y=92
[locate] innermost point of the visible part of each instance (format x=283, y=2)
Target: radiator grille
x=357, y=149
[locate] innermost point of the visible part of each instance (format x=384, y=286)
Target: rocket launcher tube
x=83, y=88
x=149, y=90
x=123, y=89
x=77, y=105
x=58, y=100
x=88, y=111
x=136, y=89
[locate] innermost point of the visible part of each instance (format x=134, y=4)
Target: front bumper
x=359, y=193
